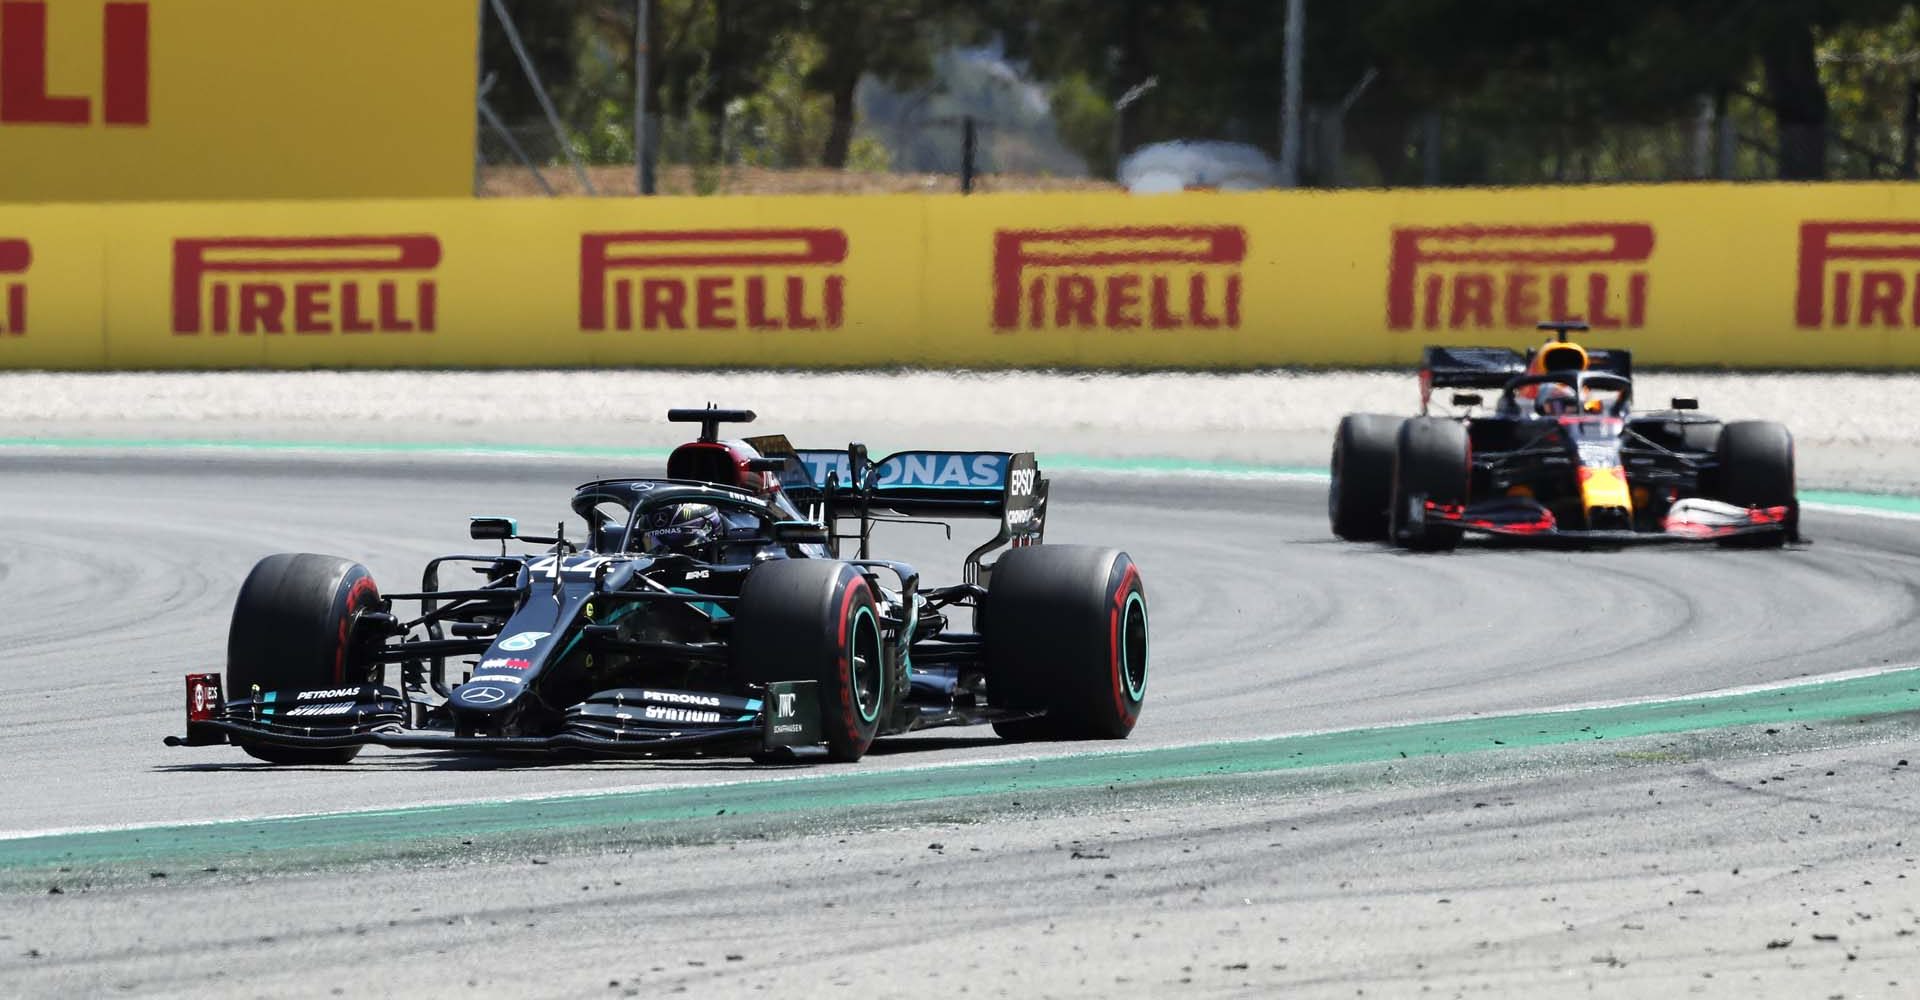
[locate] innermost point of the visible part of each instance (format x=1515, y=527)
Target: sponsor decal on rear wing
x=983, y=484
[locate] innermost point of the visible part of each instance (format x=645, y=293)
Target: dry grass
x=514, y=181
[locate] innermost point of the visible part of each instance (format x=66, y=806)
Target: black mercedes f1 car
x=755, y=637
x=1562, y=456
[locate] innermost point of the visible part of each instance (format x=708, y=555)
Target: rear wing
x=1491, y=367
x=844, y=483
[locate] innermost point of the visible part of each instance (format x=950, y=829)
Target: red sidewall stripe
x=361, y=594
x=1122, y=704
x=849, y=710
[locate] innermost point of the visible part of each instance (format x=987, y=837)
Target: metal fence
x=696, y=156
x=947, y=135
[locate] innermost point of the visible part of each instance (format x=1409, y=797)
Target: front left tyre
x=815, y=619
x=293, y=630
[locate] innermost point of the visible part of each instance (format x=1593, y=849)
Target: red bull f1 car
x=1562, y=455
x=707, y=612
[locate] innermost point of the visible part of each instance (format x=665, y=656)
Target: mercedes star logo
x=482, y=695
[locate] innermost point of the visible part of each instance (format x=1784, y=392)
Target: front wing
x=1689, y=520
x=633, y=722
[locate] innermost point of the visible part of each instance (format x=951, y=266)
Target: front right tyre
x=1756, y=470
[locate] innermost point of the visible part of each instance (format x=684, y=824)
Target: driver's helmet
x=1556, y=400
x=681, y=527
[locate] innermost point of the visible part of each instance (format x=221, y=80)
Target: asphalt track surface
x=1637, y=871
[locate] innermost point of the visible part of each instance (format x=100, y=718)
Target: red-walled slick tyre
x=292, y=631
x=808, y=619
x=1066, y=634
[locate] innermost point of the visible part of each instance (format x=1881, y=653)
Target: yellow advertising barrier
x=199, y=99
x=52, y=287
x=786, y=282
x=1709, y=275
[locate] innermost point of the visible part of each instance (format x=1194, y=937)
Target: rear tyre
x=1432, y=460
x=814, y=619
x=1361, y=487
x=1067, y=635
x=292, y=631
x=1701, y=437
x=1756, y=470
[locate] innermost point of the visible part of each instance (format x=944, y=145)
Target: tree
x=1526, y=88
x=1787, y=33
x=895, y=40
x=1873, y=92
x=1607, y=61
x=1217, y=64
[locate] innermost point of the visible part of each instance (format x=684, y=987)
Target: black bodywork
x=595, y=646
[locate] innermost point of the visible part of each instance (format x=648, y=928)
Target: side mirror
x=799, y=533
x=483, y=529
x=1685, y=403
x=1464, y=399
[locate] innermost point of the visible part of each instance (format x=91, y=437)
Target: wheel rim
x=866, y=667
x=1133, y=647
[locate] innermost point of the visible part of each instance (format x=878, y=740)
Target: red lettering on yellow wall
x=1121, y=278
x=1859, y=274
x=1490, y=277
x=734, y=279
x=315, y=285
x=26, y=96
x=16, y=256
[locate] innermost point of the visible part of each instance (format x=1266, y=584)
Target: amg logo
x=1881, y=288
x=26, y=95
x=15, y=257
x=733, y=279
x=334, y=708
x=1123, y=278
x=659, y=714
x=1456, y=277
x=318, y=285
x=679, y=698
